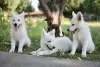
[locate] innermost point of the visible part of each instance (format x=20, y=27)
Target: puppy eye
x=13, y=20
x=18, y=20
x=73, y=24
x=49, y=41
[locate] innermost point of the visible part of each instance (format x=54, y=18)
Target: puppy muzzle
x=50, y=48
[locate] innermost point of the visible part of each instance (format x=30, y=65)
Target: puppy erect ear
x=22, y=14
x=13, y=14
x=52, y=32
x=79, y=16
x=43, y=32
x=73, y=14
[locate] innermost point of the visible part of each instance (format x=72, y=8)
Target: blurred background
x=89, y=8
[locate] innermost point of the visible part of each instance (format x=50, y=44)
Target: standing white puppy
x=81, y=34
x=19, y=33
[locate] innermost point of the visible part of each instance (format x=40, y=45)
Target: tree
x=88, y=5
x=3, y=5
x=53, y=14
x=25, y=5
x=92, y=6
x=12, y=4
x=96, y=6
x=72, y=4
x=15, y=5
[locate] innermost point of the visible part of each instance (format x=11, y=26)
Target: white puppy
x=50, y=44
x=19, y=33
x=81, y=34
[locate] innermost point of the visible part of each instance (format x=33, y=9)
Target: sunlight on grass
x=66, y=21
x=32, y=22
x=94, y=24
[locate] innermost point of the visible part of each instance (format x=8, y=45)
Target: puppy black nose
x=67, y=29
x=15, y=25
x=53, y=47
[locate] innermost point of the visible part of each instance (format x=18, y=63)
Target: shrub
x=95, y=18
x=3, y=21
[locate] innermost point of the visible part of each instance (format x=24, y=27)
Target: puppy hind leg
x=90, y=50
x=28, y=42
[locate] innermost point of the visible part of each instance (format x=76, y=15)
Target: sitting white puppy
x=50, y=44
x=81, y=35
x=19, y=33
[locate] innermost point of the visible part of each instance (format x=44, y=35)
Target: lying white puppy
x=50, y=44
x=81, y=35
x=19, y=33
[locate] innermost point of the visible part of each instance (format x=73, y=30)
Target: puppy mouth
x=74, y=31
x=50, y=48
x=17, y=26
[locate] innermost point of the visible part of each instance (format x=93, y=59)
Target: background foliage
x=91, y=6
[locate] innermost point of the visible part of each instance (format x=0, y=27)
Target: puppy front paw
x=71, y=53
x=20, y=51
x=40, y=53
x=11, y=50
x=34, y=52
x=84, y=55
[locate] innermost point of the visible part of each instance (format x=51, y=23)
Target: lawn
x=34, y=27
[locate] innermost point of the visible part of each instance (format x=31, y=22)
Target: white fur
x=61, y=44
x=82, y=35
x=19, y=34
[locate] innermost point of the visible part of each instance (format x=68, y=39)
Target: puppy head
x=17, y=20
x=75, y=22
x=49, y=38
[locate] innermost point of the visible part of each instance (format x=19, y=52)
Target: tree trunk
x=53, y=15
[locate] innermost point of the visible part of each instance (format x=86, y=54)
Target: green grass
x=34, y=32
